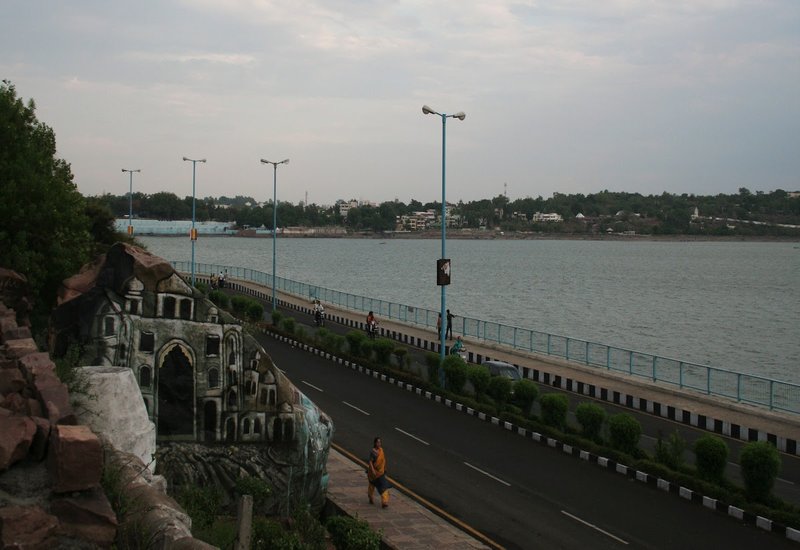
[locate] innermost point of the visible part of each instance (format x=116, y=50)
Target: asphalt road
x=517, y=492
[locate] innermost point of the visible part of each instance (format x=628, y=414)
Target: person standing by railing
x=449, y=330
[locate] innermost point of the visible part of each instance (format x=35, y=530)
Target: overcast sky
x=570, y=96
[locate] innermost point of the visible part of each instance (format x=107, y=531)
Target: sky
x=560, y=96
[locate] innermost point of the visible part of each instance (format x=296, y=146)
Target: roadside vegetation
x=615, y=436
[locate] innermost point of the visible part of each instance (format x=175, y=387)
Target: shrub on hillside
x=624, y=432
x=219, y=299
x=455, y=372
x=479, y=377
x=525, y=393
x=348, y=533
x=591, y=418
x=239, y=304
x=554, y=409
x=761, y=464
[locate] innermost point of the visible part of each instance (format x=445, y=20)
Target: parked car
x=501, y=368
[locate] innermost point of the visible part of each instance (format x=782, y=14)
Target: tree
x=44, y=227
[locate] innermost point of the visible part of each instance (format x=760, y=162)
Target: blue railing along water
x=746, y=388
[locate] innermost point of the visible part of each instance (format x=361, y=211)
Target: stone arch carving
x=175, y=390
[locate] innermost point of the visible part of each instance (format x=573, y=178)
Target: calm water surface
x=729, y=305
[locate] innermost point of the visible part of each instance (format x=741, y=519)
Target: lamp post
x=193, y=233
x=444, y=263
x=274, y=219
x=130, y=201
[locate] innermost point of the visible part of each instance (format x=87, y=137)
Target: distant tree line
x=606, y=211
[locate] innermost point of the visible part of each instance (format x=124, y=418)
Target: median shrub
x=219, y=299
x=239, y=304
x=624, y=432
x=670, y=452
x=355, y=340
x=479, y=377
x=254, y=311
x=554, y=409
x=432, y=360
x=499, y=389
x=288, y=325
x=525, y=393
x=383, y=348
x=455, y=372
x=591, y=418
x=401, y=354
x=760, y=464
x=276, y=317
x=711, y=457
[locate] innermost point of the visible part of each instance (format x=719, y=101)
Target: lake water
x=732, y=305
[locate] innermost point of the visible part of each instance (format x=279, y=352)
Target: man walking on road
x=376, y=473
x=448, y=333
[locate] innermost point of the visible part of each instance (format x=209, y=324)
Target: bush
x=433, y=360
x=760, y=464
x=400, y=353
x=322, y=335
x=711, y=457
x=366, y=348
x=383, y=350
x=355, y=340
x=670, y=452
x=288, y=325
x=268, y=534
x=479, y=378
x=219, y=299
x=300, y=333
x=276, y=317
x=335, y=343
x=239, y=303
x=591, y=418
x=254, y=311
x=525, y=393
x=499, y=389
x=554, y=409
x=455, y=372
x=202, y=287
x=201, y=503
x=257, y=488
x=624, y=432
x=349, y=533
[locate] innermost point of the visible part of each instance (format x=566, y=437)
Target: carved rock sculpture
x=208, y=386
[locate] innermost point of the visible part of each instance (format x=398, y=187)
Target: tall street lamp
x=443, y=265
x=193, y=233
x=130, y=201
x=274, y=219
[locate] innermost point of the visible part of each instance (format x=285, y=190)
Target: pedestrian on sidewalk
x=376, y=474
x=449, y=331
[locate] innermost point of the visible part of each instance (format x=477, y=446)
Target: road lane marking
x=312, y=386
x=356, y=408
x=412, y=436
x=488, y=474
x=595, y=527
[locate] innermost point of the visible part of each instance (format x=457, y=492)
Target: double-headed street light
x=443, y=265
x=193, y=233
x=130, y=201
x=274, y=219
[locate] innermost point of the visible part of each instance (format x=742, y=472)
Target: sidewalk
x=405, y=524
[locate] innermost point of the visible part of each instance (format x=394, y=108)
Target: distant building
x=547, y=218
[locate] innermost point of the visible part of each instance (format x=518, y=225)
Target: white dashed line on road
x=312, y=386
x=595, y=527
x=487, y=474
x=412, y=436
x=356, y=408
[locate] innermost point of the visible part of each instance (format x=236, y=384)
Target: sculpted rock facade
x=205, y=382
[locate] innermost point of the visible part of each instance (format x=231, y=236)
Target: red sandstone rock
x=15, y=403
x=16, y=436
x=75, y=459
x=54, y=397
x=27, y=527
x=17, y=349
x=8, y=322
x=87, y=516
x=37, y=364
x=11, y=380
x=17, y=333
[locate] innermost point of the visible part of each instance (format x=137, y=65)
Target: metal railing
x=746, y=388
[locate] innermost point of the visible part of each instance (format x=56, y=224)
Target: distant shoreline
x=497, y=235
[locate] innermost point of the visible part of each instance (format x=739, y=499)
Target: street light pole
x=193, y=233
x=130, y=201
x=443, y=313
x=274, y=221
